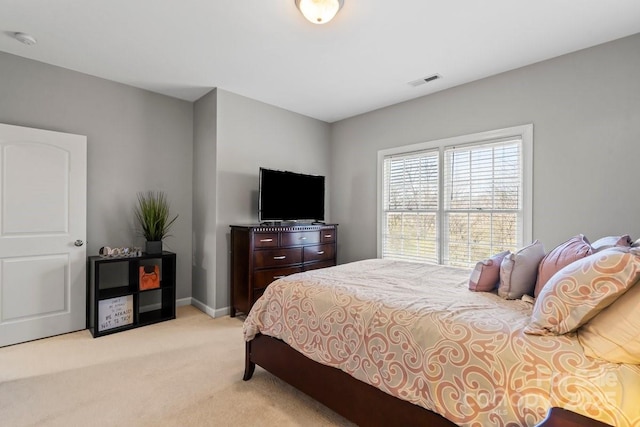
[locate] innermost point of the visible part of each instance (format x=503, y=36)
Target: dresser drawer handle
x=303, y=238
x=266, y=240
x=280, y=257
x=278, y=277
x=328, y=236
x=320, y=252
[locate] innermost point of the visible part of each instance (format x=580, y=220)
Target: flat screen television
x=290, y=196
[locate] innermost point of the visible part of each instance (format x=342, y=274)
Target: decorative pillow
x=519, y=270
x=573, y=249
x=486, y=275
x=611, y=242
x=582, y=289
x=614, y=334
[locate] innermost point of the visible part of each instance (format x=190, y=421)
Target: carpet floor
x=184, y=372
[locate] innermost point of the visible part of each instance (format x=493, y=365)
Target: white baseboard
x=183, y=301
x=208, y=310
x=223, y=311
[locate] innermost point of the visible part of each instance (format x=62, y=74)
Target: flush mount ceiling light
x=319, y=11
x=25, y=38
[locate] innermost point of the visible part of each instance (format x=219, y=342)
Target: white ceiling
x=266, y=50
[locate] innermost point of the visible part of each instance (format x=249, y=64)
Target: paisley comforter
x=416, y=332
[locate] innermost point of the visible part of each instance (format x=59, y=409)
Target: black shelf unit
x=115, y=301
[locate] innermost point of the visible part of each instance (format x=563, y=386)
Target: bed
x=387, y=342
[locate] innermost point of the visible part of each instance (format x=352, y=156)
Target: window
x=411, y=206
x=458, y=200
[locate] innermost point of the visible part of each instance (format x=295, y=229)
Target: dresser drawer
x=327, y=236
x=277, y=257
x=262, y=278
x=300, y=238
x=319, y=253
x=265, y=240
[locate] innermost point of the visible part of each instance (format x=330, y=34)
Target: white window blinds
x=411, y=201
x=482, y=200
x=456, y=204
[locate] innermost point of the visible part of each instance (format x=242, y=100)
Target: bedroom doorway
x=43, y=198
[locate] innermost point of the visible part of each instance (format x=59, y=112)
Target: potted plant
x=153, y=215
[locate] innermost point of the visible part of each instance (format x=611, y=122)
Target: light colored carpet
x=184, y=372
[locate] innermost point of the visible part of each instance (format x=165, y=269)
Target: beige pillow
x=519, y=270
x=614, y=334
x=579, y=291
x=562, y=255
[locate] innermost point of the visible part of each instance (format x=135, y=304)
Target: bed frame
x=359, y=402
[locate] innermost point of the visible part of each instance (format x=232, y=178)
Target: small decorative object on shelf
x=149, y=277
x=153, y=215
x=125, y=252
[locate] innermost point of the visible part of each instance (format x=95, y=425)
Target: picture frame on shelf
x=115, y=312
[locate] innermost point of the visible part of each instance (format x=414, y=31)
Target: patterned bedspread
x=416, y=332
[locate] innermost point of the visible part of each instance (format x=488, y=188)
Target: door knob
x=78, y=243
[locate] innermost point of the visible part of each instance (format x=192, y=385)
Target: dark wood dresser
x=261, y=254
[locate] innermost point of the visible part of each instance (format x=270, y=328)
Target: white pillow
x=609, y=242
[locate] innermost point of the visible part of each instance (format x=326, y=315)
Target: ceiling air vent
x=425, y=80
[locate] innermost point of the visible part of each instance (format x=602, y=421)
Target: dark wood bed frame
x=359, y=402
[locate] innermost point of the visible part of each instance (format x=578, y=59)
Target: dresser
x=261, y=254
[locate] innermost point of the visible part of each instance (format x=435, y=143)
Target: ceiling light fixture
x=319, y=11
x=25, y=38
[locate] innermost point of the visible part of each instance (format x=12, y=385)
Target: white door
x=43, y=193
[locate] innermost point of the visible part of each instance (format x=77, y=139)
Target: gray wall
x=585, y=108
x=204, y=155
x=136, y=141
x=248, y=134
x=204, y=199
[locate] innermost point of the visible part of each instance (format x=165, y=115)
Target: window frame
x=522, y=132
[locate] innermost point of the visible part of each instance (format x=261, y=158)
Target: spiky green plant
x=153, y=215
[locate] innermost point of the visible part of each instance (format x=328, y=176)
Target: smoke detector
x=25, y=38
x=425, y=80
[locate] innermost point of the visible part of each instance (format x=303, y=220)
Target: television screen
x=290, y=196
